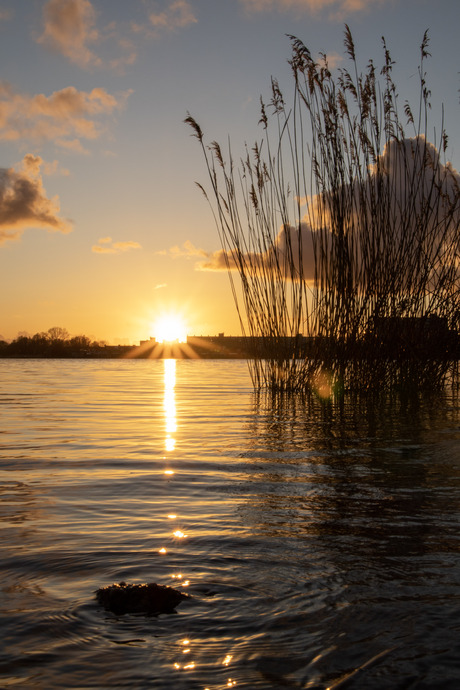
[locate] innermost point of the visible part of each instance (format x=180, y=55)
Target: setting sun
x=170, y=329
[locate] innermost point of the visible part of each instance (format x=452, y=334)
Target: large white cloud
x=417, y=180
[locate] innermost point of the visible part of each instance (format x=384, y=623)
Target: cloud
x=54, y=168
x=222, y=260
x=416, y=177
x=5, y=15
x=292, y=247
x=72, y=145
x=421, y=188
x=128, y=57
x=24, y=203
x=177, y=15
x=65, y=117
x=188, y=249
x=70, y=30
x=333, y=60
x=107, y=246
x=35, y=165
x=338, y=9
x=211, y=261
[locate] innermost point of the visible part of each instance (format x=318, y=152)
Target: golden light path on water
x=169, y=404
x=170, y=426
x=317, y=538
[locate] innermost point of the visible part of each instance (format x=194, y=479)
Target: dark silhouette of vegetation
x=343, y=228
x=56, y=342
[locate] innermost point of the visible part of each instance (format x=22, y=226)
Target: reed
x=344, y=230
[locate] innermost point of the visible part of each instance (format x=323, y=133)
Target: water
x=320, y=543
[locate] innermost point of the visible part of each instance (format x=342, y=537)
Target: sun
x=170, y=329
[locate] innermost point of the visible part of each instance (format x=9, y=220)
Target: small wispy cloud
x=188, y=249
x=337, y=9
x=24, y=202
x=160, y=286
x=333, y=60
x=72, y=146
x=106, y=245
x=70, y=29
x=5, y=15
x=54, y=168
x=208, y=261
x=177, y=14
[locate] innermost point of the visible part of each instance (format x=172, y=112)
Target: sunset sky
x=102, y=228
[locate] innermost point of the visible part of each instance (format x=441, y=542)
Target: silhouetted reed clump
x=344, y=230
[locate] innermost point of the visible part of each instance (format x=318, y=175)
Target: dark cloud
x=24, y=202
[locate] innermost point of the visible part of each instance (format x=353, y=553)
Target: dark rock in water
x=146, y=598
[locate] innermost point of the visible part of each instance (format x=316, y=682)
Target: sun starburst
x=170, y=328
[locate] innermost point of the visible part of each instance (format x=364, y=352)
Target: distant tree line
x=56, y=342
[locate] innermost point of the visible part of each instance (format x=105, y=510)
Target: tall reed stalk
x=344, y=231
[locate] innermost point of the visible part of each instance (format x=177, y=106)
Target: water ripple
x=319, y=545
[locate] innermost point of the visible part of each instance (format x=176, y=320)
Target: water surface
x=320, y=542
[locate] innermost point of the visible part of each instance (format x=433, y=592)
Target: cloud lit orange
x=64, y=116
x=106, y=246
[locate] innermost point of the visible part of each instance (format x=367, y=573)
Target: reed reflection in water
x=319, y=541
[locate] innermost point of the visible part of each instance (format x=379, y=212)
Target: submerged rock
x=145, y=598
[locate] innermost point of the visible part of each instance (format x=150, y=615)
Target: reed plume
x=344, y=230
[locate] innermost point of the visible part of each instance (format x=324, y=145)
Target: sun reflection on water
x=169, y=404
x=191, y=664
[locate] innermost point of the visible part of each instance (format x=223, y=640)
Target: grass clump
x=343, y=225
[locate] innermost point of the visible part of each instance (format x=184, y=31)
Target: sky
x=102, y=227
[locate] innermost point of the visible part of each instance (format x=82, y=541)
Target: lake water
x=320, y=543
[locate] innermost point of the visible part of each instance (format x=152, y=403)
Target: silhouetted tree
x=58, y=334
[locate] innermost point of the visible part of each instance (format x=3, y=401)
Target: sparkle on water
x=318, y=542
